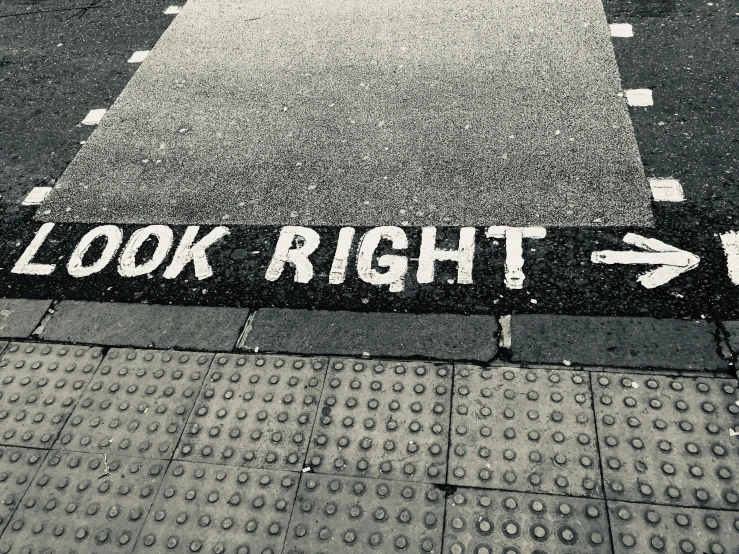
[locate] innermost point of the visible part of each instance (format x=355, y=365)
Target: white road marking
x=341, y=258
x=639, y=97
x=666, y=190
x=94, y=117
x=25, y=265
x=172, y=10
x=429, y=255
x=127, y=262
x=36, y=196
x=505, y=331
x=397, y=266
x=188, y=252
x=113, y=236
x=138, y=56
x=621, y=30
x=672, y=261
x=730, y=242
x=514, y=276
x=297, y=257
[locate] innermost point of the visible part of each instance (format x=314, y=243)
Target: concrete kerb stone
x=20, y=317
x=531, y=341
x=144, y=325
x=617, y=342
x=384, y=335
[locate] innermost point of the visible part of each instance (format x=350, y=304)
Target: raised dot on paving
x=645, y=528
x=40, y=384
x=363, y=515
x=256, y=411
x=667, y=441
x=383, y=419
x=523, y=430
x=18, y=466
x=137, y=404
x=491, y=522
x=214, y=508
x=82, y=502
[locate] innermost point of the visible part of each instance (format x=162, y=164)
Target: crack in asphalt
x=82, y=9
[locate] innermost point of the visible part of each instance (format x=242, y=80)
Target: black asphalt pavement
x=685, y=52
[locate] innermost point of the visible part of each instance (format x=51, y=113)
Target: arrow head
x=732, y=432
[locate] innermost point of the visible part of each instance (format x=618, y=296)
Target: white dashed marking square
x=621, y=30
x=94, y=117
x=36, y=196
x=639, y=97
x=138, y=56
x=666, y=190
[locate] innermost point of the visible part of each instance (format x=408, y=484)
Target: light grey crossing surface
x=355, y=113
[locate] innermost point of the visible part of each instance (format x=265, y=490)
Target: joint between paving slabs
x=600, y=461
x=448, y=488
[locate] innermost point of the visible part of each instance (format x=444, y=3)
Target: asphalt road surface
x=62, y=59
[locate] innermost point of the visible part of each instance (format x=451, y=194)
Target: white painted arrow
x=672, y=261
x=732, y=432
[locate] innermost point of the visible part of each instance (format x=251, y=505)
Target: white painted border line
x=621, y=30
x=666, y=190
x=730, y=242
x=138, y=56
x=36, y=196
x=172, y=10
x=94, y=117
x=639, y=97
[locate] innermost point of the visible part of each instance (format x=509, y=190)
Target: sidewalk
x=109, y=449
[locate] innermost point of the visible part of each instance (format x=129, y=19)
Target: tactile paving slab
x=18, y=466
x=255, y=411
x=383, y=419
x=363, y=515
x=85, y=503
x=481, y=521
x=220, y=509
x=523, y=430
x=40, y=384
x=137, y=404
x=642, y=528
x=665, y=440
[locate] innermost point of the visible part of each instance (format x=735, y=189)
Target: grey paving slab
x=732, y=335
x=18, y=466
x=84, y=503
x=41, y=385
x=383, y=419
x=256, y=411
x=356, y=113
x=19, y=318
x=486, y=522
x=523, y=430
x=650, y=528
x=615, y=341
x=220, y=509
x=144, y=325
x=137, y=403
x=666, y=440
x=341, y=333
x=345, y=514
